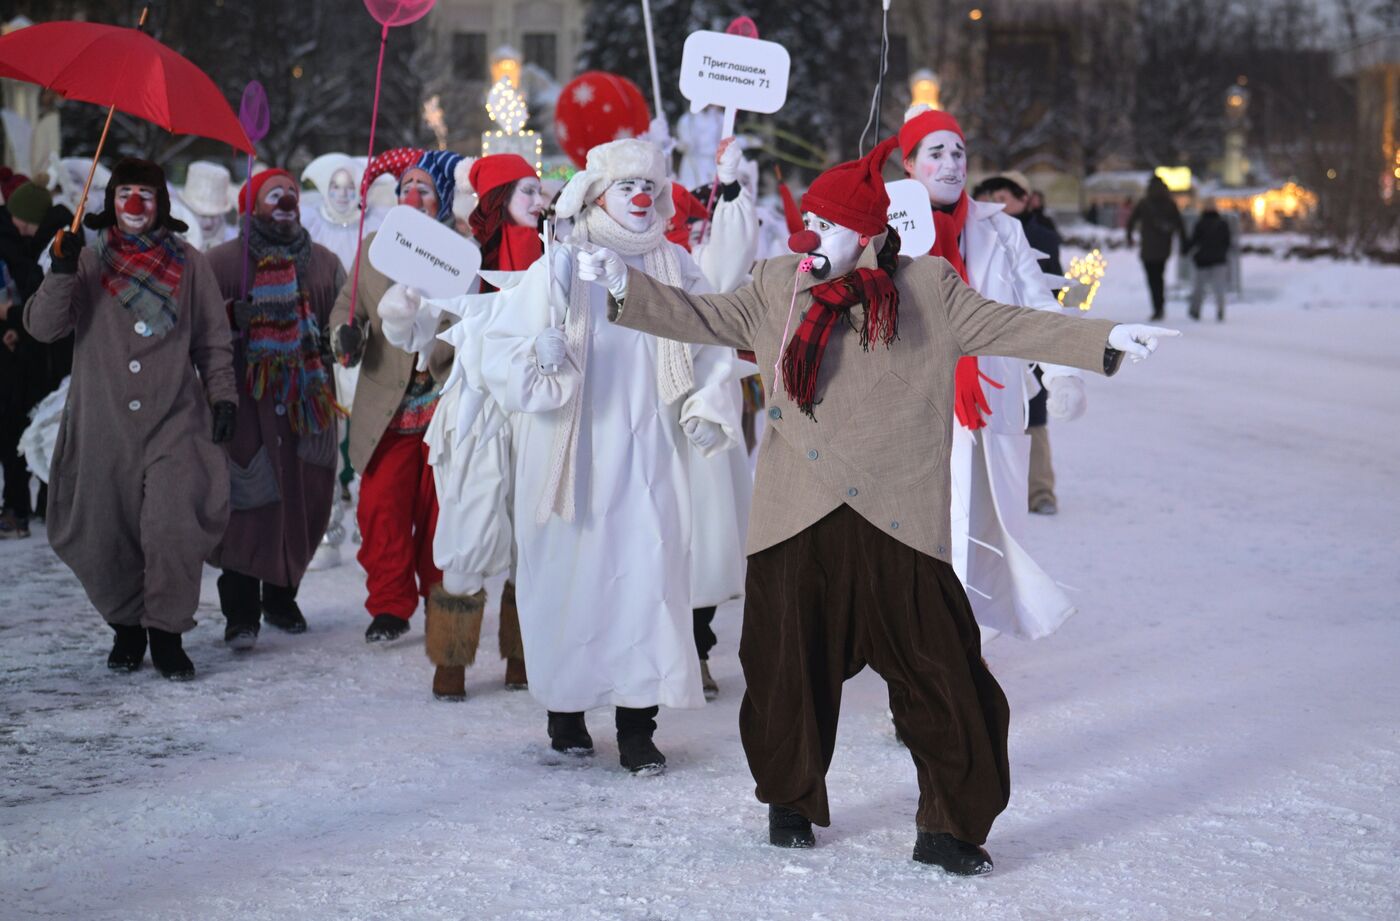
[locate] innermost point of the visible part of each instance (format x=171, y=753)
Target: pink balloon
x=254, y=114
x=398, y=12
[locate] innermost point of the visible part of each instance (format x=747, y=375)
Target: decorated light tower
x=505, y=103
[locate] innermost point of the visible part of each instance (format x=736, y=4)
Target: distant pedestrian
x=1160, y=220
x=1209, y=248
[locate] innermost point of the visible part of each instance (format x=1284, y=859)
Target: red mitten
x=969, y=402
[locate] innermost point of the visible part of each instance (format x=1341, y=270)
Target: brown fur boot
x=453, y=633
x=512, y=645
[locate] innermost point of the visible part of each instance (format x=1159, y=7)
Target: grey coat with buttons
x=283, y=485
x=884, y=419
x=138, y=491
x=385, y=369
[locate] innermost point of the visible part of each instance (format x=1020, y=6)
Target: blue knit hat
x=439, y=164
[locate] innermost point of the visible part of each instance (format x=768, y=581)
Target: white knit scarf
x=675, y=372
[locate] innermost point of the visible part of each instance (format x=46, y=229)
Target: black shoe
x=789, y=828
x=569, y=734
x=385, y=627
x=279, y=608
x=238, y=599
x=168, y=656
x=128, y=649
x=639, y=754
x=957, y=857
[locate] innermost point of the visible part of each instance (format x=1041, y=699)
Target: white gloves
x=606, y=268
x=551, y=350
x=703, y=433
x=406, y=324
x=1138, y=340
x=727, y=160
x=1065, y=399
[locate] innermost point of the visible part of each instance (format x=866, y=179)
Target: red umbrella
x=122, y=69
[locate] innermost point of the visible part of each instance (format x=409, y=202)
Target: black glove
x=65, y=251
x=350, y=344
x=225, y=414
x=242, y=314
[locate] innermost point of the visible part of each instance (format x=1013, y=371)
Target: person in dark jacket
x=1209, y=248
x=29, y=369
x=1159, y=219
x=1042, y=236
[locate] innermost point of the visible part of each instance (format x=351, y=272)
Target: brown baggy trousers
x=822, y=605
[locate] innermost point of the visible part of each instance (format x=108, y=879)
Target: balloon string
x=247, y=223
x=373, y=118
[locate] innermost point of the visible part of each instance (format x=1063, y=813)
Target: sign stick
x=651, y=57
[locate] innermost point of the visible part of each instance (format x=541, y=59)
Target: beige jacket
x=385, y=369
x=884, y=418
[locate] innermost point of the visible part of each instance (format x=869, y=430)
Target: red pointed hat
x=924, y=124
x=496, y=170
x=852, y=194
x=247, y=199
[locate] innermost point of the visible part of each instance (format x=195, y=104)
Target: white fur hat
x=320, y=171
x=629, y=158
x=208, y=189
x=464, y=201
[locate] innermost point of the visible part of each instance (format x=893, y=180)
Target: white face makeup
x=632, y=203
x=341, y=196
x=211, y=225
x=840, y=245
x=940, y=165
x=279, y=201
x=526, y=203
x=136, y=208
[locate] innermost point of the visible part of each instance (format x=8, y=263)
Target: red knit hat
x=924, y=124
x=852, y=194
x=496, y=170
x=253, y=188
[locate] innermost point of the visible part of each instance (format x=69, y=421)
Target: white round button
x=141, y=327
x=135, y=366
x=280, y=410
x=134, y=405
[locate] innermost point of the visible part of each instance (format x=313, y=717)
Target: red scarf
x=832, y=300
x=969, y=402
x=520, y=247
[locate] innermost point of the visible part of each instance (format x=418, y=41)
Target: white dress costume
x=990, y=468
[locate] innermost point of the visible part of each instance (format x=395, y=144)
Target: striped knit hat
x=436, y=163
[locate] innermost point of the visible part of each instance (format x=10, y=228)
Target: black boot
x=238, y=598
x=635, y=749
x=569, y=734
x=385, y=627
x=128, y=649
x=789, y=828
x=168, y=656
x=957, y=857
x=279, y=608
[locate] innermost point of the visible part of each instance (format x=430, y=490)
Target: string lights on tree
x=506, y=106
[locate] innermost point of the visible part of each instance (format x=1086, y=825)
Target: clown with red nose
x=849, y=542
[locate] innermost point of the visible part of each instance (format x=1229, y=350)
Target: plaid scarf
x=832, y=300
x=143, y=273
x=283, y=339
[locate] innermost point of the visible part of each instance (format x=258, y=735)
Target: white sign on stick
x=734, y=72
x=911, y=213
x=415, y=250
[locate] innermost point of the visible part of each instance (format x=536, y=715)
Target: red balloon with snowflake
x=596, y=107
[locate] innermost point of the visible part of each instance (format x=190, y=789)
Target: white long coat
x=605, y=600
x=1008, y=589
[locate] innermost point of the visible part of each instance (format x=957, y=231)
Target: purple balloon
x=398, y=12
x=253, y=113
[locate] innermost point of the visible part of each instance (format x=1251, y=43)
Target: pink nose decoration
x=412, y=198
x=804, y=241
x=641, y=200
x=134, y=205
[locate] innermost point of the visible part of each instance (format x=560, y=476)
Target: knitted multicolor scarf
x=283, y=338
x=831, y=301
x=143, y=273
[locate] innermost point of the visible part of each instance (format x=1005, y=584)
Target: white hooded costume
x=602, y=496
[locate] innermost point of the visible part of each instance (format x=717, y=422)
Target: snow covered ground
x=1216, y=734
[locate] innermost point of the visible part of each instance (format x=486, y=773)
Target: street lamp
x=505, y=64
x=924, y=87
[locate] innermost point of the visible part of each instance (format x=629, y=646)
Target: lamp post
x=1236, y=167
x=924, y=88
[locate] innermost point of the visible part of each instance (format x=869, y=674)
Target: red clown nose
x=134, y=205
x=412, y=198
x=641, y=200
x=804, y=241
